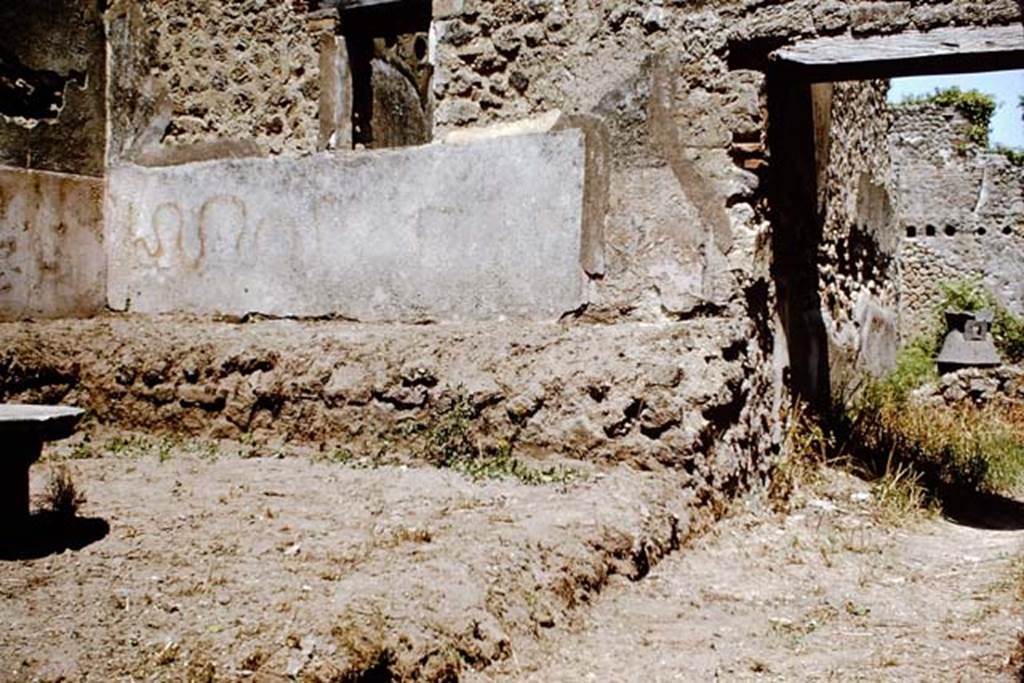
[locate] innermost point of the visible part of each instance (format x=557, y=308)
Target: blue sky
x=1005, y=86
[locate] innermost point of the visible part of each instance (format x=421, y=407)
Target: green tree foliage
x=1016, y=156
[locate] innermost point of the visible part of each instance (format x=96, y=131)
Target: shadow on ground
x=983, y=510
x=49, y=534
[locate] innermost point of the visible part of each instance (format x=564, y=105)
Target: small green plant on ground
x=62, y=498
x=83, y=450
x=127, y=446
x=165, y=448
x=340, y=456
x=448, y=441
x=447, y=438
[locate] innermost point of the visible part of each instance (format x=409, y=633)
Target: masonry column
x=335, y=81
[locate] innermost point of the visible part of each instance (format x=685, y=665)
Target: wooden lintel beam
x=953, y=50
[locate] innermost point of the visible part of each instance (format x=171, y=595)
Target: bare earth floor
x=218, y=567
x=824, y=593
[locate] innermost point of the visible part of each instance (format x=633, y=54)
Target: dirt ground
x=220, y=567
x=824, y=593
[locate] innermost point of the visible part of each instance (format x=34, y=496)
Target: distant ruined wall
x=961, y=214
x=52, y=85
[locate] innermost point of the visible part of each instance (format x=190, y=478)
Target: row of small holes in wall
x=950, y=231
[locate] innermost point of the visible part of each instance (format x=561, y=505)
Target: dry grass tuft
x=806, y=449
x=916, y=456
x=966, y=448
x=62, y=498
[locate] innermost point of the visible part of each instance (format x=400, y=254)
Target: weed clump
x=448, y=441
x=806, y=449
x=62, y=498
x=967, y=447
x=448, y=438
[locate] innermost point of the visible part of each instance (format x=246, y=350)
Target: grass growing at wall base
x=449, y=441
x=917, y=455
x=948, y=451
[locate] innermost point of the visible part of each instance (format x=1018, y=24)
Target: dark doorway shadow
x=983, y=510
x=797, y=220
x=45, y=533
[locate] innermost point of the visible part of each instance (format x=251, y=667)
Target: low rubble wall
x=682, y=396
x=982, y=386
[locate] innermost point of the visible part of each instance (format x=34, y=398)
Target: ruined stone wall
x=506, y=59
x=679, y=92
x=52, y=85
x=961, y=214
x=661, y=99
x=199, y=72
x=859, y=230
x=670, y=359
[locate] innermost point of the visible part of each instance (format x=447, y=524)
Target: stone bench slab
x=46, y=423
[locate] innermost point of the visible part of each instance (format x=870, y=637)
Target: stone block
x=443, y=9
x=831, y=16
x=879, y=17
x=441, y=232
x=52, y=262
